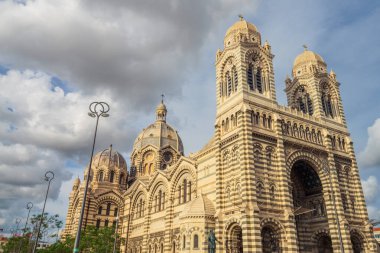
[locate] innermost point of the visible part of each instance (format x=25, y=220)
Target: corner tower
x=312, y=90
x=244, y=69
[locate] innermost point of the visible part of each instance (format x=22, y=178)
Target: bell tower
x=244, y=69
x=312, y=90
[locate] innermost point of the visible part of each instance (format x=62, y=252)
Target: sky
x=56, y=57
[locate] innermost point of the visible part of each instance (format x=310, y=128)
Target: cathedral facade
x=272, y=178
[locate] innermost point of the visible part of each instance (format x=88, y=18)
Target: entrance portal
x=269, y=240
x=234, y=243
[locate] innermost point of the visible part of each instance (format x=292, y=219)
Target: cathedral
x=272, y=178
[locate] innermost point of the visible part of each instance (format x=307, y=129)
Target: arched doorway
x=234, y=243
x=324, y=244
x=308, y=203
x=357, y=244
x=269, y=240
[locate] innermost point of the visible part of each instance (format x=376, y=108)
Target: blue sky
x=58, y=56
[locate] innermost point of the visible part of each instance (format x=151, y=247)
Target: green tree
x=93, y=240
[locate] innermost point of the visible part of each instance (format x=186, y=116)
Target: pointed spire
x=332, y=74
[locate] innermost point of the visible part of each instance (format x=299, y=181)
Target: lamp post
x=28, y=207
x=97, y=110
x=49, y=176
x=18, y=220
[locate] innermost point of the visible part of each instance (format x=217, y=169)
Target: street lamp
x=48, y=177
x=18, y=220
x=97, y=110
x=28, y=207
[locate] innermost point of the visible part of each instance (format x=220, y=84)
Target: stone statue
x=211, y=242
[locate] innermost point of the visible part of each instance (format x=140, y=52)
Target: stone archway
x=357, y=243
x=308, y=203
x=270, y=240
x=324, y=244
x=234, y=242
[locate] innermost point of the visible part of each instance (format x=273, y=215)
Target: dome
x=241, y=26
x=308, y=56
x=308, y=63
x=105, y=158
x=159, y=134
x=241, y=31
x=201, y=206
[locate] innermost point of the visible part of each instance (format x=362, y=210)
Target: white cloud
x=370, y=188
x=370, y=156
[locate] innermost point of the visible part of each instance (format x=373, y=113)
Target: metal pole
x=28, y=207
x=97, y=109
x=48, y=177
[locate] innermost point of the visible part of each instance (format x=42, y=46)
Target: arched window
x=121, y=179
x=258, y=80
x=163, y=201
x=179, y=194
x=236, y=81
x=100, y=178
x=108, y=209
x=260, y=189
x=184, y=191
x=229, y=83
x=184, y=242
x=326, y=101
x=303, y=101
x=196, y=242
x=115, y=211
x=106, y=223
x=100, y=209
x=272, y=192
x=155, y=248
x=189, y=191
x=250, y=76
x=159, y=200
x=112, y=176
x=98, y=223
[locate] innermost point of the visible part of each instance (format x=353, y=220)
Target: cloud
x=370, y=188
x=135, y=50
x=370, y=156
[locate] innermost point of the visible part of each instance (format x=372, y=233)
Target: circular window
x=149, y=156
x=168, y=157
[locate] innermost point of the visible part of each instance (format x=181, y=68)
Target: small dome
x=308, y=56
x=199, y=207
x=159, y=134
x=241, y=31
x=308, y=63
x=104, y=158
x=161, y=106
x=241, y=26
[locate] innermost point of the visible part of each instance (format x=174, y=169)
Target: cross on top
x=305, y=47
x=241, y=17
x=162, y=98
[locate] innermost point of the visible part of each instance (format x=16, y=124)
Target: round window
x=168, y=157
